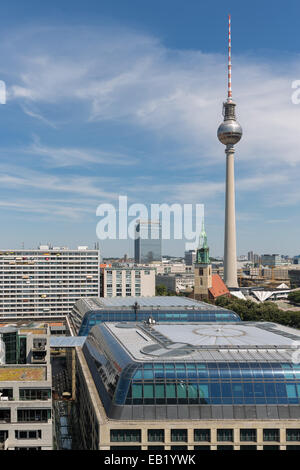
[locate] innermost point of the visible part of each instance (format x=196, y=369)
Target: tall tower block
x=229, y=134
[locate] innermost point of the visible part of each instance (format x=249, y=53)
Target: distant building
x=47, y=281
x=147, y=243
x=127, y=281
x=271, y=260
x=190, y=257
x=25, y=388
x=296, y=259
x=176, y=282
x=173, y=268
x=294, y=276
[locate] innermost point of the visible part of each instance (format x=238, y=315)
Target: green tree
x=267, y=311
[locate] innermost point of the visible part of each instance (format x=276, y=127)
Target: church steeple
x=203, y=249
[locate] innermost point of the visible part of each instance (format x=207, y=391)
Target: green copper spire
x=203, y=250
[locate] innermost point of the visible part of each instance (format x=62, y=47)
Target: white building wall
x=46, y=281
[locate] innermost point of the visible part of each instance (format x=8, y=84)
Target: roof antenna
x=229, y=60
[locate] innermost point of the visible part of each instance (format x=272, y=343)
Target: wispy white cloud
x=174, y=98
x=66, y=156
x=175, y=94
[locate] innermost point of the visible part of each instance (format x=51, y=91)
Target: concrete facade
x=47, y=281
x=124, y=282
x=26, y=396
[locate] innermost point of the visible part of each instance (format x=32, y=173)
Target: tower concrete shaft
x=230, y=264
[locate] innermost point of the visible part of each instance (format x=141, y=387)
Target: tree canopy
x=266, y=311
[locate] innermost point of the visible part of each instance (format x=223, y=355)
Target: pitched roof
x=218, y=287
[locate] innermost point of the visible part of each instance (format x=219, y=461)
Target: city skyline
x=127, y=104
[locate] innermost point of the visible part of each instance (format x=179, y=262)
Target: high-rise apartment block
x=46, y=281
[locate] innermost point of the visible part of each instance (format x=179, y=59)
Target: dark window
x=155, y=447
x=225, y=435
x=202, y=435
x=6, y=393
x=28, y=434
x=125, y=435
x=201, y=447
x=32, y=415
x=293, y=434
x=34, y=394
x=245, y=447
x=224, y=447
x=3, y=436
x=178, y=447
x=4, y=416
x=28, y=448
x=270, y=447
x=179, y=435
x=156, y=435
x=271, y=435
x=248, y=435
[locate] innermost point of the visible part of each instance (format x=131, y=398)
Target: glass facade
x=124, y=382
x=214, y=383
x=147, y=244
x=95, y=318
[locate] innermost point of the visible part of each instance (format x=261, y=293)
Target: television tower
x=229, y=134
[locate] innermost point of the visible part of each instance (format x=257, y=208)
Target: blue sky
x=108, y=98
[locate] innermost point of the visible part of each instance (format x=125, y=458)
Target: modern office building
x=271, y=260
x=123, y=281
x=47, y=281
x=89, y=312
x=147, y=243
x=25, y=388
x=192, y=386
x=190, y=257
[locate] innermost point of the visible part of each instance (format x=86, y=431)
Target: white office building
x=127, y=282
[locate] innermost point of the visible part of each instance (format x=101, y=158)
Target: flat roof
x=246, y=341
x=152, y=302
x=23, y=374
x=67, y=341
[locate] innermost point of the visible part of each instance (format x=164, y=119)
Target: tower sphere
x=229, y=132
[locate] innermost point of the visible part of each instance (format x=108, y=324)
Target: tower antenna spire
x=229, y=59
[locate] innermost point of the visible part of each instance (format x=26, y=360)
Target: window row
x=202, y=435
